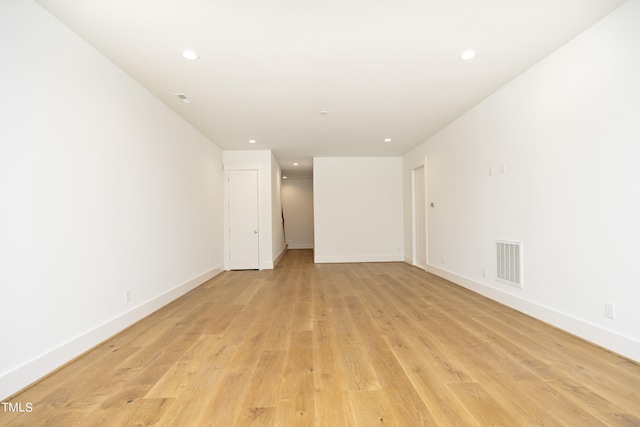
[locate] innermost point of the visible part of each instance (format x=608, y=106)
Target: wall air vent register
x=509, y=262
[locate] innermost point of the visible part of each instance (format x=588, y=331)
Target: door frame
x=225, y=198
x=414, y=217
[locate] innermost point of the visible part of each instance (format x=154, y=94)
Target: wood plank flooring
x=337, y=345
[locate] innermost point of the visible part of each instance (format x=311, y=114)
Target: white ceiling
x=380, y=68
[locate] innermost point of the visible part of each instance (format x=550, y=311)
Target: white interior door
x=243, y=220
x=420, y=218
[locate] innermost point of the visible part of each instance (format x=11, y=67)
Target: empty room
x=413, y=213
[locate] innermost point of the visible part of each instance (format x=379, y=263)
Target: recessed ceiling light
x=295, y=164
x=467, y=55
x=387, y=140
x=284, y=177
x=252, y=141
x=189, y=54
x=324, y=112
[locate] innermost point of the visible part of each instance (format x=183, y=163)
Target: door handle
x=255, y=231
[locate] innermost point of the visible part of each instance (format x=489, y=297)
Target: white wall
x=357, y=209
x=568, y=133
x=271, y=234
x=297, y=201
x=277, y=244
x=102, y=189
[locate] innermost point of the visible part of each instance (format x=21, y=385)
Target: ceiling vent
x=182, y=97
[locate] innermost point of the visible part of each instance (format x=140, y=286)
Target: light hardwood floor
x=337, y=345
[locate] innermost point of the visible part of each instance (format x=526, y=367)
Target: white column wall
x=271, y=233
x=357, y=209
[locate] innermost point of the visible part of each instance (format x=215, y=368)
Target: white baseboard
x=14, y=381
x=266, y=265
x=357, y=258
x=280, y=255
x=300, y=245
x=623, y=345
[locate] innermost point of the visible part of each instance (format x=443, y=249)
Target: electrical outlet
x=443, y=261
x=127, y=296
x=610, y=310
x=484, y=272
